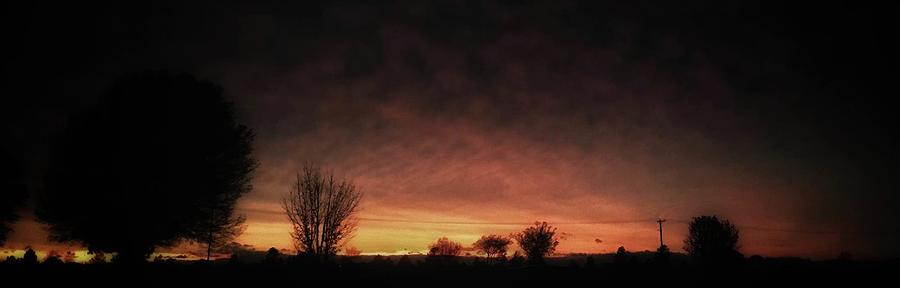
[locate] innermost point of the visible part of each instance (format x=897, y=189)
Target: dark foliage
x=493, y=246
x=159, y=160
x=537, y=241
x=712, y=241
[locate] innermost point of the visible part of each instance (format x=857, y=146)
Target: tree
x=444, y=247
x=273, y=256
x=712, y=241
x=493, y=246
x=537, y=241
x=30, y=257
x=163, y=158
x=321, y=212
x=12, y=191
x=622, y=256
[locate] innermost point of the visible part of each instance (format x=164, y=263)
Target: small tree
x=321, y=211
x=537, y=241
x=712, y=241
x=273, y=256
x=492, y=246
x=621, y=257
x=30, y=257
x=444, y=247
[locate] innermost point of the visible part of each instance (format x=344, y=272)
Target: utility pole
x=660, y=221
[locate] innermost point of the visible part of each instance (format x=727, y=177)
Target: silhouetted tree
x=537, y=241
x=30, y=257
x=492, y=246
x=443, y=252
x=321, y=213
x=273, y=256
x=444, y=247
x=712, y=241
x=621, y=257
x=12, y=193
x=163, y=155
x=52, y=260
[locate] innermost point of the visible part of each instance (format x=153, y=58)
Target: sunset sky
x=462, y=119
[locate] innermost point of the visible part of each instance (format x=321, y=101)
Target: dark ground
x=753, y=272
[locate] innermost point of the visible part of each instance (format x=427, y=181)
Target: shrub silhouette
x=162, y=156
x=622, y=256
x=12, y=192
x=444, y=247
x=273, y=256
x=492, y=246
x=712, y=241
x=30, y=257
x=537, y=241
x=321, y=211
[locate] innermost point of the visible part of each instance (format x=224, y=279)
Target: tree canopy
x=537, y=241
x=712, y=240
x=161, y=158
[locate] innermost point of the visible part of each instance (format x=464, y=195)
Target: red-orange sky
x=461, y=120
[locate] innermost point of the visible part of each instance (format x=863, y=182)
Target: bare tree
x=493, y=246
x=321, y=212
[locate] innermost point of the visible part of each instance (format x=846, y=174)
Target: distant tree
x=537, y=241
x=712, y=241
x=273, y=256
x=622, y=256
x=444, y=247
x=321, y=212
x=492, y=246
x=52, y=260
x=30, y=257
x=163, y=155
x=12, y=192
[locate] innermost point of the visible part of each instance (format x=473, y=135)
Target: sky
x=466, y=118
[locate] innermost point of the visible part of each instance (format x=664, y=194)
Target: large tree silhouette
x=537, y=241
x=321, y=211
x=712, y=241
x=12, y=193
x=159, y=160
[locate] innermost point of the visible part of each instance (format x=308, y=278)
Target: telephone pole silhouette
x=660, y=221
